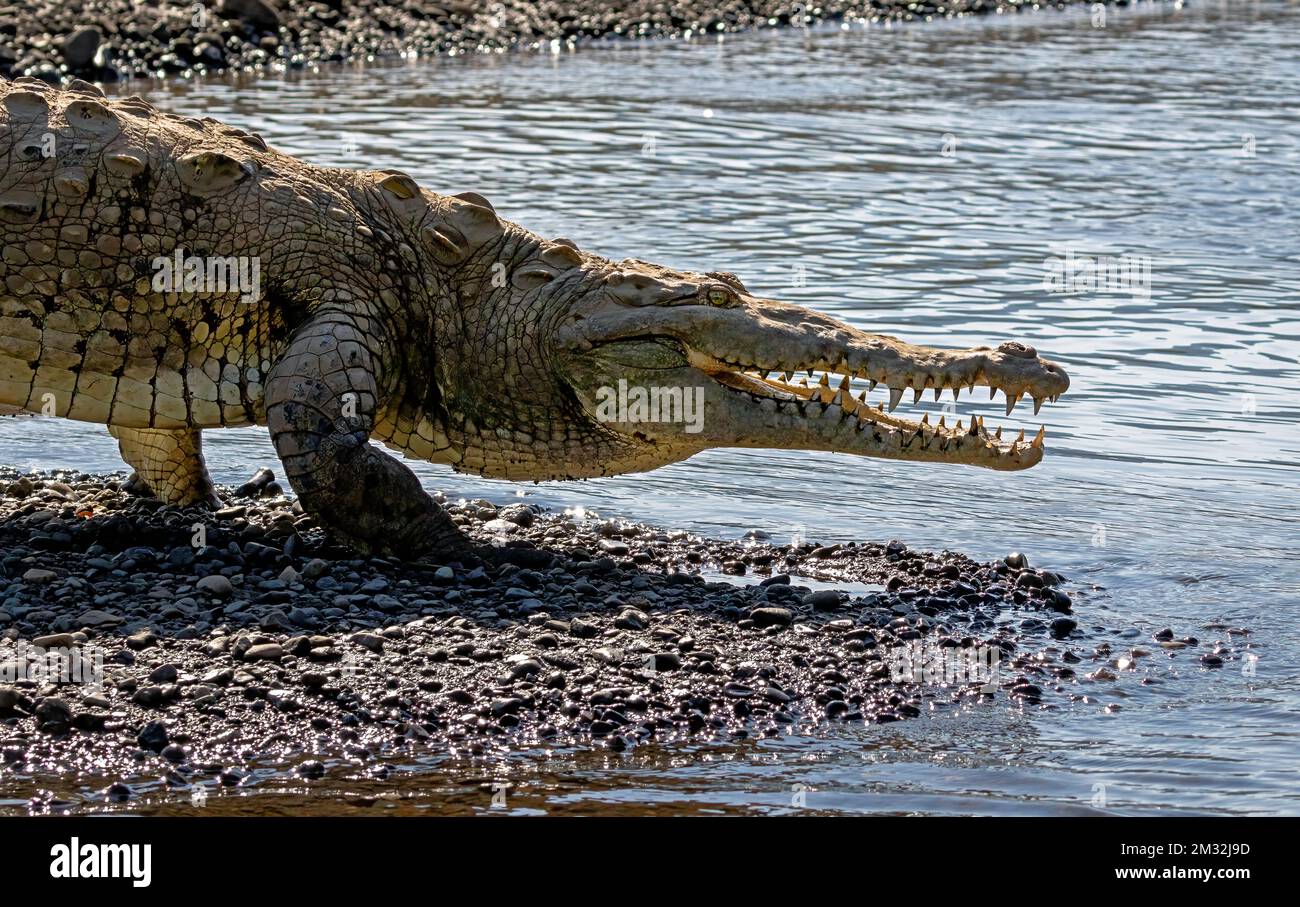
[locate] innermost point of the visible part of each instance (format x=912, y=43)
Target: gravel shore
x=106, y=40
x=220, y=639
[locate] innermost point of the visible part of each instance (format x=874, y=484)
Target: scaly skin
x=387, y=312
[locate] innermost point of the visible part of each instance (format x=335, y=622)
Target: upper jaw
x=780, y=338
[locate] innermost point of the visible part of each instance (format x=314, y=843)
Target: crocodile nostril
x=1012, y=348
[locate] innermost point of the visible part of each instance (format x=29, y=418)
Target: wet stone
x=771, y=617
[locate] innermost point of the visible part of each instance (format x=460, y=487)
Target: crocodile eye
x=719, y=296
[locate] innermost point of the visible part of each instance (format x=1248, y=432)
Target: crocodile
x=374, y=310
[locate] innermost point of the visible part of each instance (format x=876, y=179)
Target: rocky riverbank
x=208, y=642
x=106, y=40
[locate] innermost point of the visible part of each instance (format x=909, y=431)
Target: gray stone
x=216, y=584
x=372, y=641
x=772, y=617
x=80, y=46
x=632, y=619
x=97, y=618
x=265, y=652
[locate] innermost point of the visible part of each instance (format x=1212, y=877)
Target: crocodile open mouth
x=827, y=395
x=780, y=376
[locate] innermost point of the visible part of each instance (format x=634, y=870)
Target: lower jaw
x=828, y=418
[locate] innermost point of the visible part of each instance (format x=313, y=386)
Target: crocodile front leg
x=320, y=402
x=169, y=462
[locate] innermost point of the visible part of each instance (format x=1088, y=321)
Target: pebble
x=372, y=641
x=264, y=652
x=215, y=585
x=632, y=619
x=55, y=641
x=1063, y=627
x=97, y=618
x=141, y=640
x=53, y=713
x=164, y=673
x=80, y=46
x=583, y=629
x=153, y=736
x=824, y=600
x=772, y=617
x=117, y=792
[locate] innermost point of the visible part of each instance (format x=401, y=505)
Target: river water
x=918, y=181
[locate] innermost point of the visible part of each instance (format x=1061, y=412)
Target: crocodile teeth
x=844, y=395
x=789, y=377
x=916, y=395
x=895, y=398
x=872, y=384
x=1038, y=404
x=1011, y=402
x=823, y=392
x=1038, y=439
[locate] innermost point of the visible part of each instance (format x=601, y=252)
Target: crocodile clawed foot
x=134, y=485
x=138, y=487
x=444, y=545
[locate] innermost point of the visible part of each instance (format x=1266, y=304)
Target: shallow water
x=915, y=181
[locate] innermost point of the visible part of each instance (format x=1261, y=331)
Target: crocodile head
x=642, y=366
